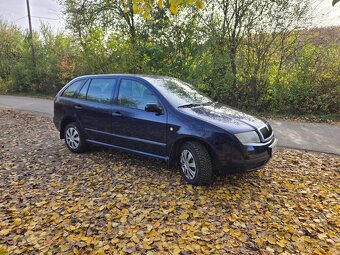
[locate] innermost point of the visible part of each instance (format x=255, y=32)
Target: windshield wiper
x=189, y=105
x=194, y=105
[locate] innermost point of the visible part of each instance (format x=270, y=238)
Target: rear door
x=132, y=126
x=94, y=106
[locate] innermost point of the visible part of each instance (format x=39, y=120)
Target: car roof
x=124, y=75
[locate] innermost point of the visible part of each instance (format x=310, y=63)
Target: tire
x=74, y=138
x=195, y=164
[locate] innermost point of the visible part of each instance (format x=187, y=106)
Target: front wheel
x=195, y=164
x=74, y=138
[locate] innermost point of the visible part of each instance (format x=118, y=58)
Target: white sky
x=49, y=11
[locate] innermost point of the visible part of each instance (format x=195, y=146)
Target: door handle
x=116, y=114
x=78, y=107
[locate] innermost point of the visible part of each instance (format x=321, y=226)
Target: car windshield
x=179, y=93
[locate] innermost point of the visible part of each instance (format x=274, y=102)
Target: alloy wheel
x=188, y=164
x=72, y=138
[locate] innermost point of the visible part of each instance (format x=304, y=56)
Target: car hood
x=224, y=117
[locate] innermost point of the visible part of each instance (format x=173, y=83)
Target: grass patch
x=31, y=94
x=320, y=118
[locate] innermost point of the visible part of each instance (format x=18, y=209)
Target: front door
x=94, y=107
x=134, y=128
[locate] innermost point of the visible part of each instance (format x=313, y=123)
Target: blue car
x=165, y=118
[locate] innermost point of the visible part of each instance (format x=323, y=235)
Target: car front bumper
x=251, y=158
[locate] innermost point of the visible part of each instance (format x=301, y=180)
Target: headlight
x=248, y=137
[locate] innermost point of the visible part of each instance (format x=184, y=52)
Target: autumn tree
x=253, y=24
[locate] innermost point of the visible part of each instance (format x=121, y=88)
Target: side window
x=135, y=95
x=70, y=90
x=101, y=90
x=83, y=92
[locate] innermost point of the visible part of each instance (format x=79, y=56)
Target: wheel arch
x=175, y=149
x=66, y=120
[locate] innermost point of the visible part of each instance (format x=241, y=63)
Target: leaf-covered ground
x=105, y=202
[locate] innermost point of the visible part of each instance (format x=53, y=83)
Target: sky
x=49, y=11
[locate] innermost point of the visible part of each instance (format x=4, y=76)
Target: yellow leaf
x=160, y=4
x=173, y=9
x=259, y=241
x=200, y=4
x=26, y=212
x=106, y=247
x=149, y=227
x=135, y=6
x=146, y=246
x=288, y=186
x=115, y=224
x=75, y=251
x=295, y=238
x=3, y=251
x=87, y=239
x=177, y=250
x=291, y=230
x=135, y=239
x=226, y=230
x=114, y=241
x=130, y=244
x=4, y=232
x=184, y=216
x=72, y=228
x=205, y=230
x=281, y=243
x=243, y=238
x=271, y=240
x=17, y=222
x=64, y=248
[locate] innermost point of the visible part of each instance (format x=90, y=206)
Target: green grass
x=32, y=94
x=322, y=118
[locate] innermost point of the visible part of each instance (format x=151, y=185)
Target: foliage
x=145, y=7
x=55, y=62
x=255, y=55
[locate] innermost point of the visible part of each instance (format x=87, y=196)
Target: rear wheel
x=195, y=163
x=74, y=138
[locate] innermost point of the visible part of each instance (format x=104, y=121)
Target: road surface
x=298, y=135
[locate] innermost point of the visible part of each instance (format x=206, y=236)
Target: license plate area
x=273, y=148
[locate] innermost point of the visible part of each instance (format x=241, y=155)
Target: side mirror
x=154, y=108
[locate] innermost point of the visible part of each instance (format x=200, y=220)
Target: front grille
x=266, y=132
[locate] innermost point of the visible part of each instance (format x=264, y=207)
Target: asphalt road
x=298, y=135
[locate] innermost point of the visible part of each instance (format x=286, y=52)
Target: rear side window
x=83, y=92
x=100, y=90
x=71, y=90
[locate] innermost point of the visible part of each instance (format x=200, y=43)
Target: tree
x=10, y=48
x=252, y=26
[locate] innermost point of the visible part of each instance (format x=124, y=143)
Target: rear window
x=99, y=90
x=71, y=90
